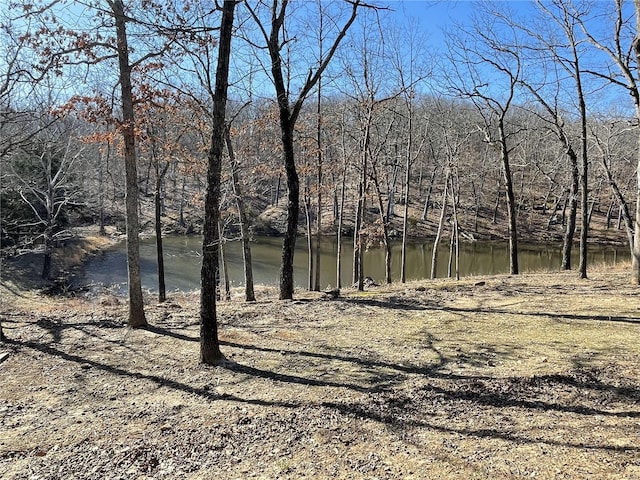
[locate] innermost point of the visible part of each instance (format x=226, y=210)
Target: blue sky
x=438, y=16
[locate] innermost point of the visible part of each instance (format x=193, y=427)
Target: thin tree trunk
x=427, y=199
x=223, y=262
x=356, y=232
x=183, y=192
x=455, y=226
x=405, y=222
x=436, y=241
x=496, y=206
x=451, y=254
x=249, y=293
x=339, y=232
x=609, y=212
x=511, y=207
x=276, y=199
x=48, y=251
x=209, y=343
x=385, y=228
x=101, y=192
x=137, y=317
x=293, y=184
x=570, y=229
x=162, y=290
x=358, y=248
x=319, y=161
x=307, y=217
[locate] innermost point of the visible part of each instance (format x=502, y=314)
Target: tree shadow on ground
x=388, y=406
x=429, y=386
x=553, y=315
x=393, y=303
x=401, y=303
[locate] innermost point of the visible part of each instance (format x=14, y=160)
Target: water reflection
x=182, y=261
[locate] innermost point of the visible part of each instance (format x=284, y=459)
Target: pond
x=182, y=261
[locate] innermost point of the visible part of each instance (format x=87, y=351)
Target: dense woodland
x=317, y=118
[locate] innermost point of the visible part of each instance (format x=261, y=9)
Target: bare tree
x=249, y=293
x=568, y=57
x=276, y=38
x=486, y=46
x=409, y=62
x=622, y=47
x=136, y=304
x=209, y=343
x=43, y=170
x=606, y=137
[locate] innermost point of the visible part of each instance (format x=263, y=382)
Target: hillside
x=529, y=376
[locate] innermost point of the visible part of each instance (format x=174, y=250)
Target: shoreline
x=22, y=272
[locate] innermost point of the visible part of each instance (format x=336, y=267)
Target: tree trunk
x=405, y=222
x=249, y=293
x=45, y=274
x=276, y=198
x=496, y=206
x=101, y=193
x=307, y=217
x=319, y=161
x=455, y=230
x=339, y=230
x=357, y=226
x=623, y=207
x=385, y=228
x=436, y=241
x=137, y=317
x=223, y=262
x=570, y=229
x=209, y=344
x=162, y=290
x=358, y=247
x=609, y=212
x=584, y=178
x=183, y=192
x=511, y=207
x=293, y=183
x=293, y=206
x=427, y=199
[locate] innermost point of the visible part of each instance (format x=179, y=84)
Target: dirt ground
x=529, y=376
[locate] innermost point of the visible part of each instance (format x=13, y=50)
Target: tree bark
x=436, y=241
x=307, y=217
x=319, y=161
x=287, y=125
x=511, y=207
x=209, y=343
x=339, y=228
x=567, y=244
x=223, y=262
x=405, y=221
x=249, y=293
x=137, y=317
x=162, y=289
x=584, y=177
x=385, y=227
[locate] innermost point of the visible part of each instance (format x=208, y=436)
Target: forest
x=317, y=118
x=306, y=120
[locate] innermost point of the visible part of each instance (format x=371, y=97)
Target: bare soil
x=529, y=376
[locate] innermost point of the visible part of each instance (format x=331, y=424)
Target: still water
x=182, y=261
